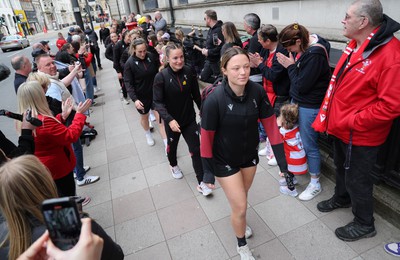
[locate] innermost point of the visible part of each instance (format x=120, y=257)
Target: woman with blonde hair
x=231, y=37
x=53, y=139
x=24, y=184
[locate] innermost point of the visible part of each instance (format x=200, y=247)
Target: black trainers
x=331, y=204
x=354, y=231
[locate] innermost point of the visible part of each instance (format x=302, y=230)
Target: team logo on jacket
x=137, y=63
x=255, y=103
x=365, y=63
x=230, y=106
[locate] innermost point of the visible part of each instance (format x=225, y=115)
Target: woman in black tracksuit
x=119, y=48
x=175, y=89
x=139, y=72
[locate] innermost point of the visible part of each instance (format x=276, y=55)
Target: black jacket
x=310, y=76
x=104, y=33
x=119, y=48
x=214, y=51
x=26, y=145
x=174, y=93
x=92, y=37
x=18, y=80
x=253, y=47
x=139, y=76
x=110, y=51
x=277, y=74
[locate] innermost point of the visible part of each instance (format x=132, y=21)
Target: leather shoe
x=355, y=231
x=331, y=204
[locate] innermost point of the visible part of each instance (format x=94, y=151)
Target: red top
x=268, y=87
x=88, y=58
x=60, y=43
x=53, y=144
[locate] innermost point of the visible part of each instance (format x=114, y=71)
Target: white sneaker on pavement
x=149, y=139
x=245, y=253
x=126, y=101
x=176, y=172
x=248, y=233
x=86, y=168
x=282, y=181
x=204, y=189
x=272, y=161
x=310, y=192
x=151, y=125
x=263, y=152
x=285, y=190
x=87, y=179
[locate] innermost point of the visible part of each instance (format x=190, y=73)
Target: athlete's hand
x=139, y=105
x=175, y=126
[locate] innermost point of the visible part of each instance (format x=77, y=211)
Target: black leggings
x=191, y=135
x=66, y=185
x=124, y=92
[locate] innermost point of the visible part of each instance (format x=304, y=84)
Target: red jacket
x=366, y=98
x=60, y=43
x=88, y=58
x=53, y=144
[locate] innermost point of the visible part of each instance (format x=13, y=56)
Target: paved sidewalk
x=153, y=216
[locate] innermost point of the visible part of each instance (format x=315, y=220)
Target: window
x=150, y=4
x=183, y=2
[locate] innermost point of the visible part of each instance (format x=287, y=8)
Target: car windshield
x=8, y=38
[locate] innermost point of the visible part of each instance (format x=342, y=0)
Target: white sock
x=315, y=181
x=165, y=142
x=148, y=132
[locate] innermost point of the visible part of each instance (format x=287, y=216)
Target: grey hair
x=76, y=38
x=18, y=62
x=372, y=9
x=252, y=20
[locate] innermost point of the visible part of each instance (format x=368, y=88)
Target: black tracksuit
x=138, y=78
x=119, y=48
x=173, y=96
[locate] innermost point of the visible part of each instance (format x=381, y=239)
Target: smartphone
x=63, y=222
x=215, y=38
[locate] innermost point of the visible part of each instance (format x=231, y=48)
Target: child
x=294, y=151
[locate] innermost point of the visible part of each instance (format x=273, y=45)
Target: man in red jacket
x=358, y=111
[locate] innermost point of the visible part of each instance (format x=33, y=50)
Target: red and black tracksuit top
x=229, y=126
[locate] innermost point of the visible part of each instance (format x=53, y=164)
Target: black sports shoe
x=354, y=231
x=331, y=204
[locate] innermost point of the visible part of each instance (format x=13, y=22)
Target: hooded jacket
x=139, y=76
x=214, y=51
x=92, y=35
x=310, y=75
x=366, y=97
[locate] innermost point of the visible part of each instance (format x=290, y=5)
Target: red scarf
x=320, y=124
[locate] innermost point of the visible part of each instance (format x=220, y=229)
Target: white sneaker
x=86, y=168
x=176, y=172
x=263, y=152
x=126, y=101
x=96, y=89
x=285, y=190
x=152, y=117
x=272, y=162
x=310, y=192
x=149, y=139
x=245, y=253
x=87, y=179
x=248, y=233
x=282, y=181
x=204, y=189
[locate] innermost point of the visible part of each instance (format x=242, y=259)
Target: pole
x=77, y=13
x=119, y=12
x=90, y=15
x=171, y=7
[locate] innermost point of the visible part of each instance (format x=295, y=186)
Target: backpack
x=211, y=88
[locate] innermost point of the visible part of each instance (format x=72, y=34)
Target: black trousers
x=210, y=72
x=355, y=184
x=191, y=135
x=66, y=185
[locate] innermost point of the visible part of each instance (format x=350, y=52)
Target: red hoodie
x=367, y=95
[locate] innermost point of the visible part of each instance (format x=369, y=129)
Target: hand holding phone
x=62, y=221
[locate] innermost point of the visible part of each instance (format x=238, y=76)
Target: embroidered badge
x=184, y=83
x=230, y=106
x=365, y=63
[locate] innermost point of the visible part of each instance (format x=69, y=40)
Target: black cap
x=37, y=52
x=44, y=42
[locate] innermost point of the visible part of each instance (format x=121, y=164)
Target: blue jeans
x=310, y=139
x=78, y=151
x=89, y=85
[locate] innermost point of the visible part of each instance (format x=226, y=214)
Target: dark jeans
x=191, y=135
x=97, y=54
x=355, y=184
x=66, y=185
x=124, y=92
x=210, y=72
x=78, y=151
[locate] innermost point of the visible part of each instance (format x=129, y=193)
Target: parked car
x=13, y=42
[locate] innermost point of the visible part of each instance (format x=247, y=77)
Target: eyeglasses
x=289, y=42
